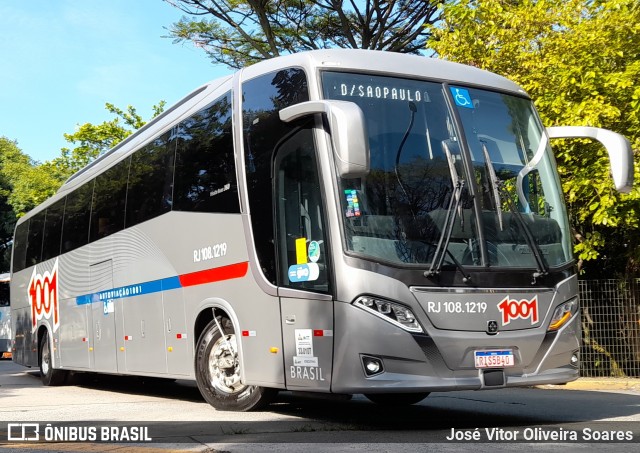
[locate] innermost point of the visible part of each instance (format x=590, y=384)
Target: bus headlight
x=392, y=312
x=563, y=313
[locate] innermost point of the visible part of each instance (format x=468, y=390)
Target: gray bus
x=337, y=221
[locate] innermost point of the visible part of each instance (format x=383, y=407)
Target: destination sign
x=380, y=91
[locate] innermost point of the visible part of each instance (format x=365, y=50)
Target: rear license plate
x=494, y=359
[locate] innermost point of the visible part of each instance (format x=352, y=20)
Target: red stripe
x=318, y=333
x=217, y=274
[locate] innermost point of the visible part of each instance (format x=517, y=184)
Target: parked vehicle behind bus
x=5, y=318
x=336, y=221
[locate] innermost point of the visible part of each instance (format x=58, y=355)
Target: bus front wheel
x=48, y=374
x=218, y=371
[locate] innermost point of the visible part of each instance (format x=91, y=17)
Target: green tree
x=8, y=149
x=26, y=183
x=23, y=185
x=237, y=33
x=579, y=60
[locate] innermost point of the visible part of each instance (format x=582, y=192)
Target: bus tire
x=48, y=374
x=396, y=399
x=218, y=371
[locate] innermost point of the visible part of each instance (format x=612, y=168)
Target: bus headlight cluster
x=563, y=313
x=392, y=312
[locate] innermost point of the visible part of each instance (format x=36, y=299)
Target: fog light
x=372, y=365
x=575, y=359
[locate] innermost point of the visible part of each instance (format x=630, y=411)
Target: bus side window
x=263, y=98
x=150, y=190
x=34, y=240
x=20, y=246
x=205, y=174
x=107, y=211
x=75, y=229
x=53, y=230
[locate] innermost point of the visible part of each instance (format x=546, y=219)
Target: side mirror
x=618, y=147
x=347, y=129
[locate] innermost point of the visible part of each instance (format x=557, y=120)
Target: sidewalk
x=584, y=383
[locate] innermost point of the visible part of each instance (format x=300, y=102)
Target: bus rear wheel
x=48, y=374
x=218, y=371
x=396, y=399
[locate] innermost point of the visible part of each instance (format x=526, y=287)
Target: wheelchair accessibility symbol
x=461, y=97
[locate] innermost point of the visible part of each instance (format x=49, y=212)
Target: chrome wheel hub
x=224, y=367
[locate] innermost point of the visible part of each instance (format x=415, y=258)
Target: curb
x=597, y=384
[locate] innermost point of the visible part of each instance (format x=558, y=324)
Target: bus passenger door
x=103, y=319
x=306, y=304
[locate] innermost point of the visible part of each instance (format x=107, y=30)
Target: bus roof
x=353, y=60
x=388, y=63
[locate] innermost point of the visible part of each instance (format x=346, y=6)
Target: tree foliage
x=8, y=150
x=92, y=140
x=579, y=60
x=237, y=33
x=23, y=185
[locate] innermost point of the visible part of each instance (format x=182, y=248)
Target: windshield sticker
x=301, y=251
x=461, y=97
x=353, y=205
x=303, y=272
x=314, y=251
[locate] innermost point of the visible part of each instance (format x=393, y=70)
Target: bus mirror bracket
x=348, y=133
x=618, y=147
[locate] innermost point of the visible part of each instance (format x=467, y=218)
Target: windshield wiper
x=495, y=183
x=413, y=109
x=449, y=220
x=499, y=188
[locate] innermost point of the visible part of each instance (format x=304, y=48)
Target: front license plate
x=494, y=359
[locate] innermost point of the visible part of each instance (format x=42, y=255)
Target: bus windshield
x=464, y=170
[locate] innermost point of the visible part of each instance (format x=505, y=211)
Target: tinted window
x=75, y=230
x=20, y=246
x=34, y=241
x=107, y=212
x=205, y=177
x=4, y=294
x=302, y=241
x=150, y=181
x=53, y=230
x=263, y=97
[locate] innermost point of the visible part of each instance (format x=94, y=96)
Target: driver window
x=300, y=222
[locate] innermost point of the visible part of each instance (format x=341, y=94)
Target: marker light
x=392, y=312
x=563, y=313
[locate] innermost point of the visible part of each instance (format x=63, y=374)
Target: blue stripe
x=139, y=289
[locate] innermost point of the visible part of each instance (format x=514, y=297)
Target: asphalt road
x=176, y=417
